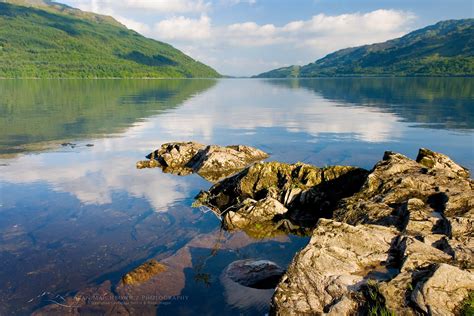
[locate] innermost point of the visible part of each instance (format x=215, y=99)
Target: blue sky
x=246, y=37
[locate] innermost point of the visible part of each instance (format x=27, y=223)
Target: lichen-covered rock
x=443, y=292
x=211, y=162
x=415, y=254
x=436, y=161
x=307, y=192
x=142, y=164
x=337, y=261
x=252, y=212
x=143, y=273
x=399, y=187
x=177, y=154
x=428, y=206
x=215, y=162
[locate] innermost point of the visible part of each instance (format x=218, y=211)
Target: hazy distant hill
x=443, y=49
x=45, y=39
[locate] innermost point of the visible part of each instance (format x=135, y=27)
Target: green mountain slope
x=443, y=49
x=42, y=39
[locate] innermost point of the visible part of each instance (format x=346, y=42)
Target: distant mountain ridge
x=443, y=49
x=45, y=39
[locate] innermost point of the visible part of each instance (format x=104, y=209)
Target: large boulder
x=216, y=162
x=211, y=162
x=337, y=261
x=444, y=291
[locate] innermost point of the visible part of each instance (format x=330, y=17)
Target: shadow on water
x=441, y=103
x=35, y=113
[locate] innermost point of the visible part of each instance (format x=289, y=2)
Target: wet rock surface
x=211, y=162
x=406, y=235
x=257, y=274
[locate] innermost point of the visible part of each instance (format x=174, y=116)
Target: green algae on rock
x=143, y=273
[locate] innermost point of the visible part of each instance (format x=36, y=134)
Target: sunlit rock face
x=271, y=196
x=403, y=243
x=211, y=162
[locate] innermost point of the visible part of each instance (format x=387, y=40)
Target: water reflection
x=36, y=112
x=444, y=103
x=72, y=218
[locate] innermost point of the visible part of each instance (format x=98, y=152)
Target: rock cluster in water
x=211, y=162
x=396, y=239
x=403, y=243
x=269, y=197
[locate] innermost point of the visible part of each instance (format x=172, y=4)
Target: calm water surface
x=75, y=216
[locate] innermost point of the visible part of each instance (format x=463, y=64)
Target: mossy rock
x=143, y=273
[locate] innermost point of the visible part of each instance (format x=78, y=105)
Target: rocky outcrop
x=337, y=260
x=211, y=162
x=403, y=243
x=400, y=191
x=398, y=239
x=444, y=291
x=279, y=195
x=215, y=162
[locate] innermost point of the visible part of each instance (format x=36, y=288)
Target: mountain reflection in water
x=78, y=217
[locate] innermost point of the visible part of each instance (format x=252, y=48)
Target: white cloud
x=291, y=43
x=310, y=113
x=340, y=30
x=235, y=2
x=160, y=6
x=188, y=25
x=140, y=27
x=183, y=29
x=167, y=6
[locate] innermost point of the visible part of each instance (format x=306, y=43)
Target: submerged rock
x=247, y=300
x=422, y=261
x=211, y=162
x=143, y=273
x=257, y=274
